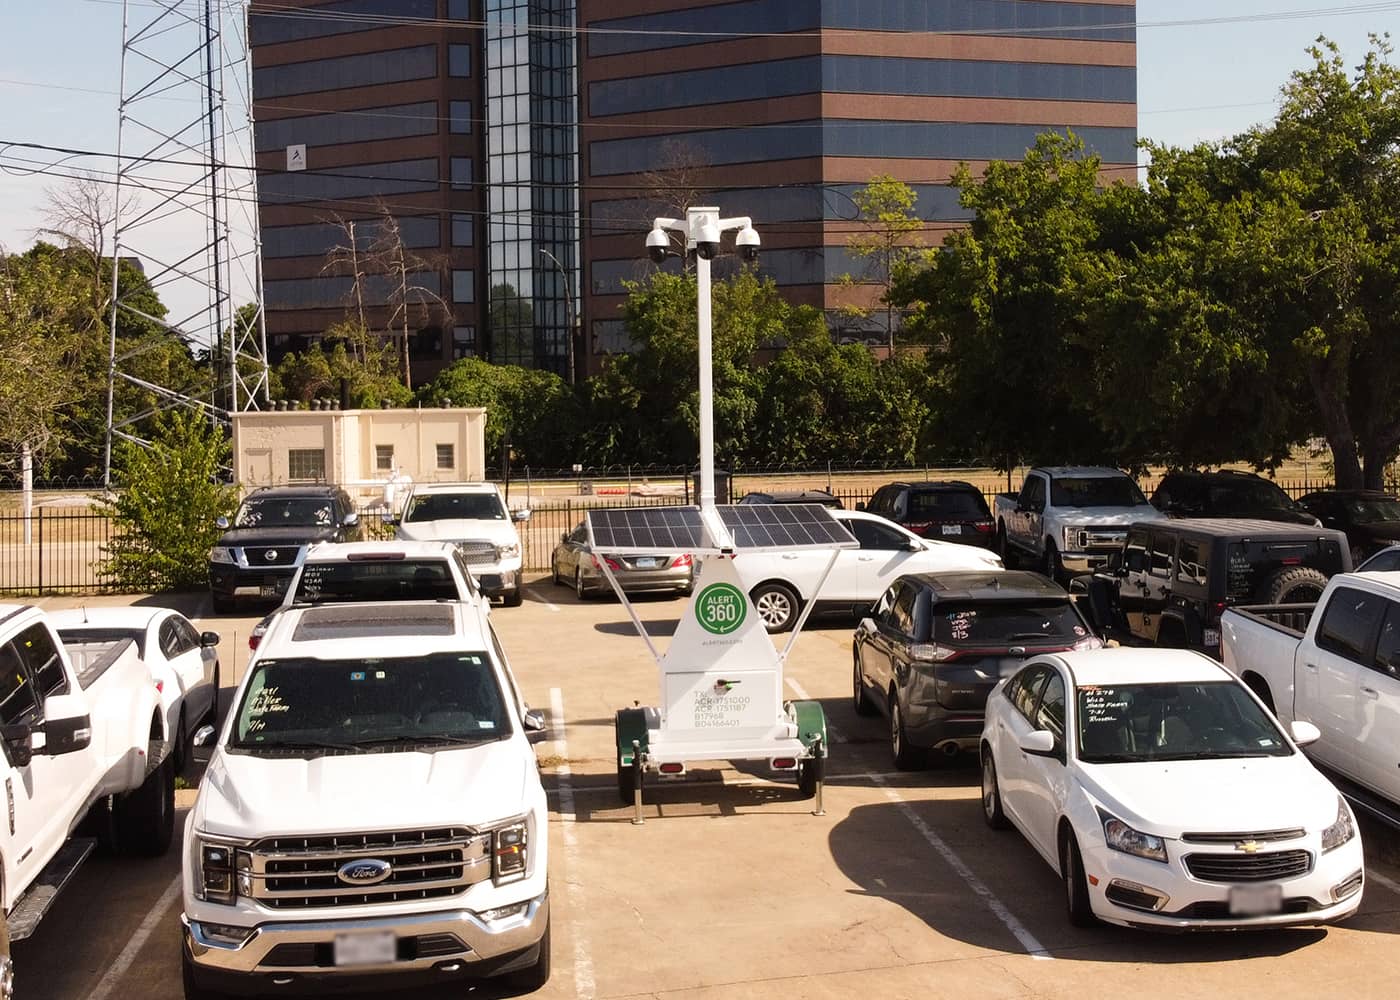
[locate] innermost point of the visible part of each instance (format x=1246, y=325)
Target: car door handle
x=1310, y=666
x=1370, y=692
x=865, y=558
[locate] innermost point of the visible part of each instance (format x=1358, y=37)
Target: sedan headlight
x=1121, y=837
x=508, y=551
x=1339, y=832
x=221, y=554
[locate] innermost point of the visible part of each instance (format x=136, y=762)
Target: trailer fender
x=630, y=725
x=811, y=724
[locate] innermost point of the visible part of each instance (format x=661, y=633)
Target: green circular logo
x=721, y=608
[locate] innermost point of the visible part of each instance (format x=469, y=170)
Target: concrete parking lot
x=732, y=888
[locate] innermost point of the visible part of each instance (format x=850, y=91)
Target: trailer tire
x=629, y=724
x=1293, y=585
x=144, y=820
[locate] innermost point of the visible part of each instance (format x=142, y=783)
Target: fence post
x=41, y=550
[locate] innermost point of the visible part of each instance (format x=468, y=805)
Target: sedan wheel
x=579, y=588
x=906, y=757
x=1077, y=905
x=991, y=794
x=776, y=605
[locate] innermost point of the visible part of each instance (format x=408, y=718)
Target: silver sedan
x=574, y=563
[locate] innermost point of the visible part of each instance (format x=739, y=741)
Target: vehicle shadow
x=703, y=793
x=659, y=627
x=871, y=846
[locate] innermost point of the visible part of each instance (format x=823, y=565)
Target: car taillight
x=931, y=652
x=253, y=640
x=1217, y=608
x=1088, y=642
x=613, y=564
x=682, y=561
x=919, y=527
x=985, y=527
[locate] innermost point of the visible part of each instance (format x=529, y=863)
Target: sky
x=60, y=63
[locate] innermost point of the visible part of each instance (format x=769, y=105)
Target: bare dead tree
x=406, y=295
x=347, y=258
x=677, y=180
x=79, y=216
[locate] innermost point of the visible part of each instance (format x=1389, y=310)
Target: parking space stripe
x=832, y=731
x=113, y=976
x=549, y=605
x=1379, y=879
x=1018, y=930
x=584, y=986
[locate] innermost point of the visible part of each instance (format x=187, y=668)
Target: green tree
x=889, y=242
x=368, y=363
x=164, y=510
x=535, y=408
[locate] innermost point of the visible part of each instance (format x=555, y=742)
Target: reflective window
x=36, y=646
x=463, y=230
x=306, y=464
x=17, y=702
x=369, y=70
x=461, y=116
x=445, y=456
x=461, y=172
x=463, y=342
x=1348, y=621
x=397, y=121
x=289, y=24
x=610, y=336
x=364, y=180
x=799, y=266
x=317, y=239
x=330, y=292
x=1193, y=562
x=459, y=60
x=464, y=286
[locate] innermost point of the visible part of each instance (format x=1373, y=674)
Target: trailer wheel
x=629, y=724
x=144, y=820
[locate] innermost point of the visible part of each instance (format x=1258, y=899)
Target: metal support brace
x=807, y=608
x=637, y=819
x=819, y=762
x=627, y=606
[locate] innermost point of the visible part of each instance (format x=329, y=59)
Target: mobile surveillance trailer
x=721, y=677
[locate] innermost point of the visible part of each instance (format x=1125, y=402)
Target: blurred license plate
x=378, y=948
x=270, y=590
x=952, y=529
x=1256, y=900
x=646, y=563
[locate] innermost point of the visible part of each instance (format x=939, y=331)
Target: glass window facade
x=306, y=464
x=610, y=336
x=398, y=121
x=463, y=230
x=459, y=60
x=864, y=75
x=463, y=342
x=317, y=239
x=801, y=266
x=464, y=286
x=287, y=24
x=853, y=137
x=1029, y=18
x=461, y=173
x=531, y=144
x=335, y=291
x=369, y=70
x=356, y=182
x=461, y=117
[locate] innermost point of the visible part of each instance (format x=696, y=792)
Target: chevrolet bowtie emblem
x=1248, y=846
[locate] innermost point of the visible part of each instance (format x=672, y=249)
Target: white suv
x=372, y=815
x=472, y=516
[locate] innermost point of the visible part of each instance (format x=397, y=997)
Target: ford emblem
x=364, y=871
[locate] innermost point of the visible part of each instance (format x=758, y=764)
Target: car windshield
x=136, y=635
x=456, y=507
x=285, y=512
x=1095, y=491
x=375, y=580
x=302, y=705
x=1248, y=495
x=1001, y=623
x=950, y=504
x=1384, y=561
x=1152, y=722
x=1371, y=511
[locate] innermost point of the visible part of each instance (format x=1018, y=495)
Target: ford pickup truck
x=473, y=517
x=372, y=815
x=1067, y=520
x=84, y=745
x=1335, y=664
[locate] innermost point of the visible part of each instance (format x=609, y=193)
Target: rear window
x=949, y=505
x=366, y=580
x=1250, y=565
x=1006, y=623
x=1249, y=495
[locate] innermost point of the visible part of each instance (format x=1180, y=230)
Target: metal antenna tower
x=186, y=168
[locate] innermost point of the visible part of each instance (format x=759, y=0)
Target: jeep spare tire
x=1293, y=585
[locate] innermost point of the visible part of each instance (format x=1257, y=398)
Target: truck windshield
x=456, y=507
x=284, y=512
x=1148, y=722
x=1003, y=624
x=374, y=580
x=1249, y=496
x=1374, y=511
x=1096, y=491
x=301, y=705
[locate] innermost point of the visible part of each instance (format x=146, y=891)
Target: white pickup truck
x=1068, y=520
x=372, y=815
x=83, y=737
x=1335, y=664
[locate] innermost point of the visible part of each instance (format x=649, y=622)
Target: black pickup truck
x=1172, y=580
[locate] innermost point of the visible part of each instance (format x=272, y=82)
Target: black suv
x=258, y=553
x=1226, y=494
x=1172, y=579
x=944, y=510
x=792, y=496
x=936, y=645
x=1370, y=518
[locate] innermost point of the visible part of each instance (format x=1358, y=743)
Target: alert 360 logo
x=721, y=608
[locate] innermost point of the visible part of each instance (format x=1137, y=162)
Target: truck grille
x=272, y=555
x=1102, y=537
x=1271, y=867
x=477, y=553
x=302, y=872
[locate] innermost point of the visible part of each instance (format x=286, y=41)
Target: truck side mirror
x=203, y=744
x=208, y=640
x=389, y=519
x=536, y=729
x=67, y=726
x=19, y=744
x=221, y=523
x=521, y=515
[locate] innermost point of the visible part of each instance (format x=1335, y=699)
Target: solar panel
x=646, y=529
x=785, y=527
x=659, y=530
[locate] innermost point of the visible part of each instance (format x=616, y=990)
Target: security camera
x=747, y=241
x=657, y=245
x=707, y=241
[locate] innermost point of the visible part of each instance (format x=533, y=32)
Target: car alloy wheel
x=991, y=794
x=776, y=606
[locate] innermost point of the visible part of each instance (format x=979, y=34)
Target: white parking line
x=543, y=600
x=837, y=736
x=1379, y=879
x=998, y=908
x=584, y=986
x=117, y=969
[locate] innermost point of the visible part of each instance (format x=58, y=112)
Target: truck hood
x=251, y=797
x=450, y=530
x=238, y=537
x=1108, y=515
x=1244, y=795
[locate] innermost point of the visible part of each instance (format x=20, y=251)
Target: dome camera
x=707, y=241
x=747, y=241
x=657, y=245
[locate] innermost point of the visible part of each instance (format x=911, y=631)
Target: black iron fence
x=59, y=550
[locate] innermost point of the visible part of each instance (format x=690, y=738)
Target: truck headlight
x=223, y=871
x=508, y=551
x=510, y=851
x=1339, y=832
x=1071, y=537
x=1121, y=837
x=222, y=554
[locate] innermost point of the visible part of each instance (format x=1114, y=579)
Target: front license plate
x=378, y=948
x=952, y=529
x=1256, y=900
x=270, y=590
x=646, y=564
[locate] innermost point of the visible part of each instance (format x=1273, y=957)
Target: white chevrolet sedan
x=1165, y=795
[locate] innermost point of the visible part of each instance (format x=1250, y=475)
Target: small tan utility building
x=361, y=450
